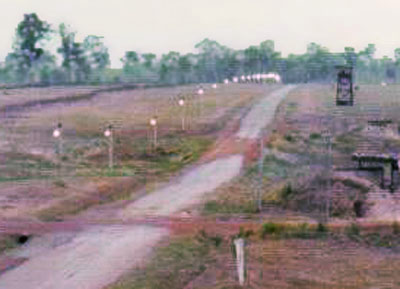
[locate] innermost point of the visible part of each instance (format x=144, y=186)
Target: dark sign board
x=344, y=92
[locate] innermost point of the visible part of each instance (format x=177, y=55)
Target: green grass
x=218, y=207
x=347, y=142
x=173, y=265
x=7, y=242
x=355, y=185
x=288, y=231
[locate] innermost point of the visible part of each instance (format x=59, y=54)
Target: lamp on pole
x=327, y=139
x=181, y=103
x=153, y=123
x=57, y=134
x=109, y=135
x=260, y=173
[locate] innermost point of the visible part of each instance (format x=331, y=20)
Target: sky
x=159, y=26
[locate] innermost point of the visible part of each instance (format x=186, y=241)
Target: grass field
x=286, y=248
x=277, y=256
x=295, y=176
x=38, y=183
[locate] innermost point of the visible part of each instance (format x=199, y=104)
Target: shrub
x=396, y=228
x=315, y=136
x=271, y=229
x=321, y=228
x=289, y=138
x=353, y=232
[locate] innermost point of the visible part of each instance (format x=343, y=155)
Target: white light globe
x=56, y=133
x=181, y=102
x=200, y=91
x=107, y=133
x=214, y=85
x=226, y=81
x=153, y=122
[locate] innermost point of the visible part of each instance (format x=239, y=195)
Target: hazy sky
x=159, y=26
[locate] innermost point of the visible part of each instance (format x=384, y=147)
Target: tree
x=148, y=60
x=29, y=34
x=66, y=49
x=96, y=55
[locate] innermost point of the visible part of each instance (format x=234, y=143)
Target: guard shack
x=376, y=163
x=344, y=87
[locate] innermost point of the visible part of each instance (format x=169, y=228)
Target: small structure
x=377, y=163
x=344, y=90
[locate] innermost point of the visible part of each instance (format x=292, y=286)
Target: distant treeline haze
x=88, y=61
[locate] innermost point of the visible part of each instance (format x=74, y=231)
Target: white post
x=240, y=262
x=155, y=136
x=260, y=173
x=110, y=153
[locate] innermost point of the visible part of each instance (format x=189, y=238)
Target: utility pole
x=327, y=137
x=108, y=134
x=260, y=173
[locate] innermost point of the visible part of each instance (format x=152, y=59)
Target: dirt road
x=97, y=256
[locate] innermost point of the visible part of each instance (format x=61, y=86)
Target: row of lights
x=181, y=102
x=57, y=132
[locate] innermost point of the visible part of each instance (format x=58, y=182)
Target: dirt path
x=90, y=259
x=97, y=256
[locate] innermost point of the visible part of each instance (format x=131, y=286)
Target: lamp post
x=200, y=92
x=260, y=173
x=327, y=138
x=57, y=134
x=226, y=81
x=153, y=123
x=181, y=103
x=109, y=135
x=214, y=86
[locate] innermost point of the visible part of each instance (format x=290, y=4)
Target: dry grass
x=29, y=150
x=295, y=256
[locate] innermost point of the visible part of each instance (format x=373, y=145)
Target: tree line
x=89, y=61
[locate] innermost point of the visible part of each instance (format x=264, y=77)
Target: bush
x=271, y=229
x=396, y=228
x=315, y=136
x=321, y=228
x=353, y=232
x=289, y=138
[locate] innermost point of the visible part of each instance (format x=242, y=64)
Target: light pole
x=226, y=81
x=153, y=123
x=200, y=92
x=327, y=138
x=260, y=173
x=109, y=135
x=181, y=103
x=57, y=134
x=214, y=86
